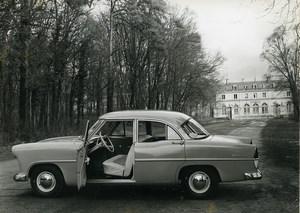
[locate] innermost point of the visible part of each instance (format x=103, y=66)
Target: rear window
x=192, y=126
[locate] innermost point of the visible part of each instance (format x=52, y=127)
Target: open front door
x=81, y=160
x=81, y=167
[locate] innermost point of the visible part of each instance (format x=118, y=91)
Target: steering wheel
x=100, y=142
x=107, y=144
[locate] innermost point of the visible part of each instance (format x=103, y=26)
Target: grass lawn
x=281, y=142
x=5, y=153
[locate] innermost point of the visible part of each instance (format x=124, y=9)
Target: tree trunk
x=110, y=74
x=23, y=37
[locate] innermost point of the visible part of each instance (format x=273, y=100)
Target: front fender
x=62, y=155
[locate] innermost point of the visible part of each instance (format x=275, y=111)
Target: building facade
x=257, y=99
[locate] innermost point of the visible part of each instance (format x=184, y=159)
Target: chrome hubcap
x=199, y=182
x=45, y=181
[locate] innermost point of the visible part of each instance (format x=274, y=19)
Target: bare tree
x=283, y=57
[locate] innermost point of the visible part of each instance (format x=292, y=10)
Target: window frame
x=224, y=110
x=255, y=109
x=236, y=109
x=289, y=107
x=158, y=121
x=264, y=109
x=246, y=109
x=193, y=130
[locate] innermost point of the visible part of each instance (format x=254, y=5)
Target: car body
x=138, y=147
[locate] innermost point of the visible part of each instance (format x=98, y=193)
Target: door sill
x=113, y=181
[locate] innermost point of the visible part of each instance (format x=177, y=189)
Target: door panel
x=158, y=161
x=81, y=167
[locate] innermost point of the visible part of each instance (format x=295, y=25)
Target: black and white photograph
x=137, y=106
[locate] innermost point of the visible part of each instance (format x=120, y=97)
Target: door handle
x=178, y=142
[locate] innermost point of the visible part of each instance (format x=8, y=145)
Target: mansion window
x=255, y=95
x=288, y=93
x=223, y=110
x=264, y=95
x=235, y=96
x=236, y=110
x=264, y=108
x=223, y=97
x=245, y=87
x=255, y=108
x=254, y=86
x=246, y=109
x=289, y=107
x=246, y=95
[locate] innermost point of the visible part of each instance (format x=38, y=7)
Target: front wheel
x=201, y=183
x=47, y=181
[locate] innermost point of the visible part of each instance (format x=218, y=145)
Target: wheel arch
x=34, y=166
x=186, y=168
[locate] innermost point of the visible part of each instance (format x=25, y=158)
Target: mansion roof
x=250, y=85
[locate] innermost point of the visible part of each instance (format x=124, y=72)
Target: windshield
x=93, y=129
x=192, y=126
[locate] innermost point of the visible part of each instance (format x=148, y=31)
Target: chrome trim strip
x=159, y=159
x=220, y=159
x=124, y=181
x=194, y=159
x=54, y=161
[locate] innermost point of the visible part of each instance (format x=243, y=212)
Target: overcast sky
x=236, y=28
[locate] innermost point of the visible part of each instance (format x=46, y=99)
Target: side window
x=172, y=135
x=150, y=131
x=105, y=129
x=158, y=130
x=120, y=130
x=128, y=128
x=124, y=128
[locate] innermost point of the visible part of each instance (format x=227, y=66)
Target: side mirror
x=193, y=135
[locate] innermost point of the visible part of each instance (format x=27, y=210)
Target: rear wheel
x=47, y=181
x=201, y=183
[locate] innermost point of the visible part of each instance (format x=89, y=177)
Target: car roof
x=172, y=117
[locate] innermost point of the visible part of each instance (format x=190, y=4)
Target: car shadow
x=227, y=191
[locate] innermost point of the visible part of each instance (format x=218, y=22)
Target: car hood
x=230, y=139
x=51, y=144
x=62, y=139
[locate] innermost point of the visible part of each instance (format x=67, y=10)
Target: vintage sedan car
x=138, y=147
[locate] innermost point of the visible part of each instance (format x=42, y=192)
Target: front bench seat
x=120, y=165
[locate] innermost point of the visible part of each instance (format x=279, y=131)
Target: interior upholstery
x=120, y=165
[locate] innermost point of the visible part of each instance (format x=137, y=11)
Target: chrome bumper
x=253, y=175
x=20, y=177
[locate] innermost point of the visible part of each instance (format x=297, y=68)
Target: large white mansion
x=256, y=99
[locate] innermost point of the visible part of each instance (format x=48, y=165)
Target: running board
x=115, y=181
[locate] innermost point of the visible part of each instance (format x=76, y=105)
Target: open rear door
x=81, y=160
